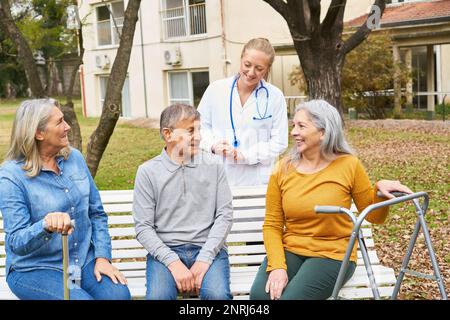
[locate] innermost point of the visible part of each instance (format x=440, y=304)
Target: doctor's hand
x=277, y=281
x=222, y=148
x=237, y=156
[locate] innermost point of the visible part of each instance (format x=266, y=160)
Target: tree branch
x=23, y=49
x=363, y=32
x=335, y=10
x=296, y=31
x=314, y=7
x=301, y=9
x=113, y=97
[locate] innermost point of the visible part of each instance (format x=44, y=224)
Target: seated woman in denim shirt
x=43, y=185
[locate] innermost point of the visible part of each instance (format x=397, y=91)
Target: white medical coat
x=261, y=141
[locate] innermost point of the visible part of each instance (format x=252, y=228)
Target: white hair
x=326, y=118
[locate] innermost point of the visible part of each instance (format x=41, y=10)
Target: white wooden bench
x=244, y=247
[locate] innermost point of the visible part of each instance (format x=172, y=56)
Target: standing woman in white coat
x=244, y=118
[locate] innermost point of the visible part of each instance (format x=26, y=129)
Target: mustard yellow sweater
x=291, y=223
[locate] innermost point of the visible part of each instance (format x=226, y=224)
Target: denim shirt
x=25, y=201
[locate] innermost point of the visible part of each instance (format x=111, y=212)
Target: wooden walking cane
x=65, y=252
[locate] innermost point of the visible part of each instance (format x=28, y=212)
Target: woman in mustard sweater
x=305, y=249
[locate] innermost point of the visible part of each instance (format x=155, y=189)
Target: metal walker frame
x=357, y=234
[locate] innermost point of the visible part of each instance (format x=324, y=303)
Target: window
x=126, y=108
x=187, y=86
x=183, y=18
x=419, y=75
x=109, y=23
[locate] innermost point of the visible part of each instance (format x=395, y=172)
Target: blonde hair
x=32, y=115
x=263, y=45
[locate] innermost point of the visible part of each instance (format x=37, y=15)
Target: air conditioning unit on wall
x=172, y=57
x=102, y=61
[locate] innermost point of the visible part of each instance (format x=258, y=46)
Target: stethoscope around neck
x=236, y=141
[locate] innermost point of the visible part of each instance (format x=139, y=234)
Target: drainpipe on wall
x=83, y=94
x=439, y=74
x=143, y=64
x=224, y=43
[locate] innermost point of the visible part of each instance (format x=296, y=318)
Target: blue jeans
x=215, y=285
x=45, y=284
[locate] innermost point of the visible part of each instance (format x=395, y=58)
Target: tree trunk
x=50, y=77
x=322, y=65
x=323, y=77
x=71, y=118
x=319, y=43
x=113, y=97
x=24, y=51
x=32, y=72
x=68, y=109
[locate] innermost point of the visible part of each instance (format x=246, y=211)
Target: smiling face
x=307, y=137
x=184, y=138
x=255, y=65
x=55, y=134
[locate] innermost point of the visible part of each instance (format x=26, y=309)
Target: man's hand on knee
x=182, y=275
x=199, y=269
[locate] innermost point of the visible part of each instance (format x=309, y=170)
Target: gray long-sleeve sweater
x=182, y=204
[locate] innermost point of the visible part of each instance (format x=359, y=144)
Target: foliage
x=44, y=27
x=12, y=75
x=443, y=109
x=416, y=152
x=43, y=24
x=368, y=76
x=297, y=78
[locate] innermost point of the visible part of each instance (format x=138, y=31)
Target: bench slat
x=251, y=202
x=119, y=196
x=237, y=215
x=249, y=191
x=251, y=255
x=118, y=207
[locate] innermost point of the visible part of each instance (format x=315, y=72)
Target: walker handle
x=327, y=209
x=395, y=193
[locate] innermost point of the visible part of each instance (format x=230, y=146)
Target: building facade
x=420, y=31
x=180, y=46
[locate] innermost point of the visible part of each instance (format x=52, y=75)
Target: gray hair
x=174, y=113
x=32, y=115
x=326, y=118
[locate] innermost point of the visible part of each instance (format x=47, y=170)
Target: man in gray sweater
x=183, y=212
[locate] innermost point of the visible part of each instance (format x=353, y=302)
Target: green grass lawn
x=128, y=148
x=414, y=152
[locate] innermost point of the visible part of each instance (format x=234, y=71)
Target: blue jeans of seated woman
x=215, y=285
x=46, y=284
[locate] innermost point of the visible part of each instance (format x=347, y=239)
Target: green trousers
x=309, y=278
